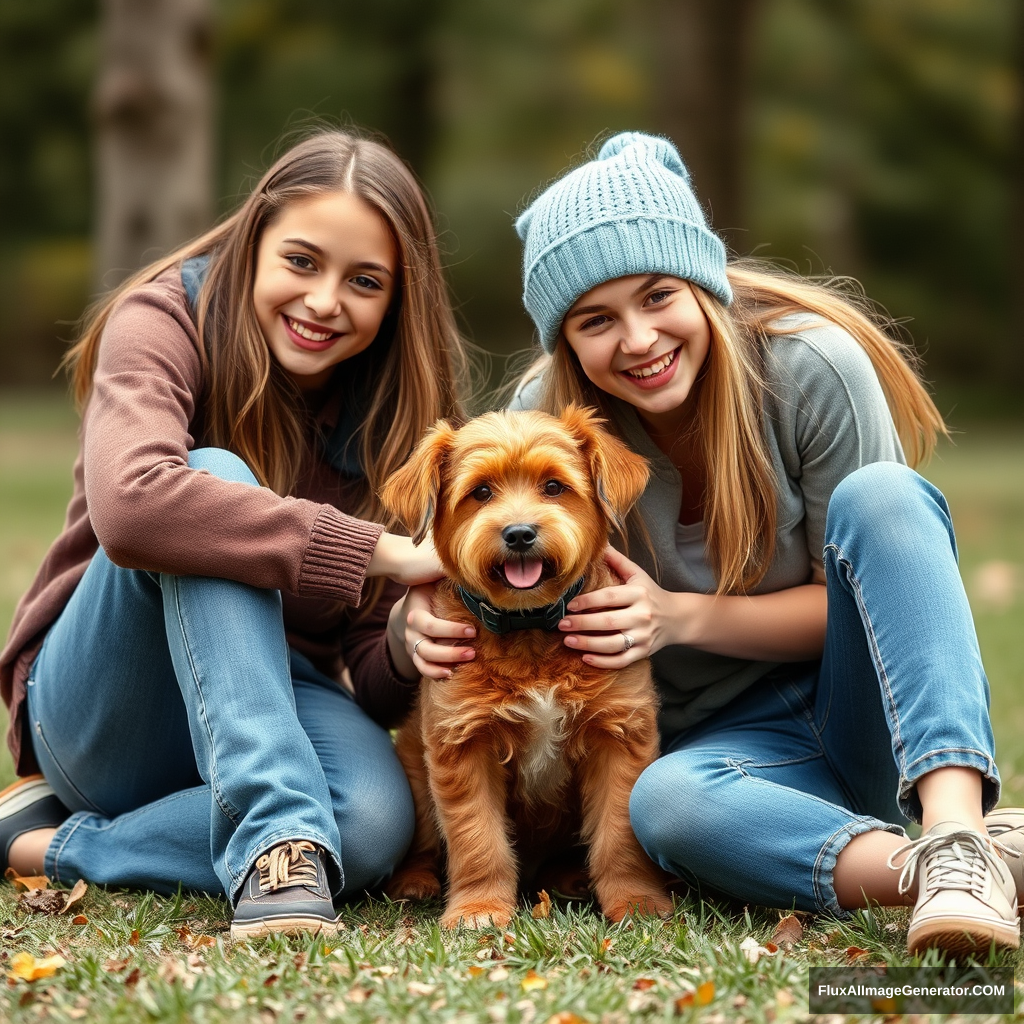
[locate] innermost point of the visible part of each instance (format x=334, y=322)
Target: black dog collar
x=498, y=621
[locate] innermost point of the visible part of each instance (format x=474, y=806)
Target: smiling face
x=326, y=274
x=644, y=339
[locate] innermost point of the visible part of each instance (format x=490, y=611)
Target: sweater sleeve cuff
x=337, y=556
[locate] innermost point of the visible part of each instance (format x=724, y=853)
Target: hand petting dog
x=520, y=750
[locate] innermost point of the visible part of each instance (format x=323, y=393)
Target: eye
x=362, y=281
x=659, y=296
x=301, y=262
x=553, y=488
x=594, y=321
x=482, y=493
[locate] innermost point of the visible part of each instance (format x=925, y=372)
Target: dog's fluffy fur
x=526, y=749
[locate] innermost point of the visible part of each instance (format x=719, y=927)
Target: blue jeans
x=170, y=715
x=758, y=800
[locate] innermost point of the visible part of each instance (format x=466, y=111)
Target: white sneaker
x=1006, y=825
x=966, y=898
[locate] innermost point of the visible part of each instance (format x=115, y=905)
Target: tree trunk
x=154, y=138
x=702, y=58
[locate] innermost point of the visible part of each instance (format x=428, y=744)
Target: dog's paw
x=477, y=915
x=651, y=904
x=415, y=884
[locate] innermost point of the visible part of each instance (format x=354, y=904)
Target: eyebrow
x=312, y=247
x=644, y=285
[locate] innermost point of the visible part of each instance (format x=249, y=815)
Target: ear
x=620, y=475
x=411, y=492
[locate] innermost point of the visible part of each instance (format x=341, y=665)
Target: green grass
x=137, y=958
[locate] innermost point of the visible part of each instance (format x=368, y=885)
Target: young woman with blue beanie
x=795, y=583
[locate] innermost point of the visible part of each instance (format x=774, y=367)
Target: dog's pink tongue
x=523, y=573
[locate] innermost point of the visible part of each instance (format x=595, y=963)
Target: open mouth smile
x=654, y=373
x=305, y=336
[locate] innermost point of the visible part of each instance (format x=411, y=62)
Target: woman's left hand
x=600, y=621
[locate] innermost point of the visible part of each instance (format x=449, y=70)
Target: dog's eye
x=482, y=493
x=553, y=488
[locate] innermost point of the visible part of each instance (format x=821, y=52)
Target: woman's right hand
x=400, y=560
x=417, y=638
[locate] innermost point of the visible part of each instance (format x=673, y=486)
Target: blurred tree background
x=877, y=138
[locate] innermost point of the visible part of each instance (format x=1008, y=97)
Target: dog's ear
x=620, y=474
x=411, y=492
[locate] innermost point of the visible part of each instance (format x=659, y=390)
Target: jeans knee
x=889, y=497
x=221, y=463
x=376, y=825
x=661, y=811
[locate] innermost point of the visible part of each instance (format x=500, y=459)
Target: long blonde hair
x=250, y=405
x=741, y=503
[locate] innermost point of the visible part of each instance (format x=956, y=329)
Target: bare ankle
x=27, y=852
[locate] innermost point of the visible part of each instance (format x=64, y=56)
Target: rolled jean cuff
x=335, y=873
x=824, y=866
x=951, y=757
x=51, y=859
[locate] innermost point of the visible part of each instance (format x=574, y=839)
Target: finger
x=605, y=645
x=429, y=625
x=607, y=597
x=613, y=663
x=620, y=564
x=599, y=622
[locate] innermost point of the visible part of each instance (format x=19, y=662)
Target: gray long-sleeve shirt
x=825, y=416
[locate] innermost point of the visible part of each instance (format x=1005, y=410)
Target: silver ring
x=415, y=645
x=627, y=642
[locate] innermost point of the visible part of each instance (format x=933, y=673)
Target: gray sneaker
x=1006, y=826
x=26, y=805
x=966, y=898
x=285, y=893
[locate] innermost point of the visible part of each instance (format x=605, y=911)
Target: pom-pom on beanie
x=630, y=211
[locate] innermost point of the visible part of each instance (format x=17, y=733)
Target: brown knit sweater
x=135, y=495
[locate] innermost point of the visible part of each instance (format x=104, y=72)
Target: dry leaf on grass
x=533, y=981
x=701, y=996
x=788, y=932
x=542, y=909
x=566, y=1017
x=25, y=967
x=26, y=882
x=51, y=901
x=643, y=984
x=79, y=919
x=752, y=950
x=855, y=953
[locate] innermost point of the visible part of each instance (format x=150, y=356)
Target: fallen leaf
x=25, y=967
x=533, y=981
x=788, y=932
x=884, y=1005
x=132, y=978
x=566, y=1017
x=26, y=882
x=542, y=909
x=771, y=947
x=643, y=984
x=78, y=890
x=854, y=953
x=705, y=993
x=42, y=901
x=113, y=966
x=133, y=939
x=474, y=971
x=270, y=981
x=498, y=974
x=80, y=919
x=420, y=988
x=606, y=944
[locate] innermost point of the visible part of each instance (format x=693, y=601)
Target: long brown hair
x=741, y=503
x=251, y=406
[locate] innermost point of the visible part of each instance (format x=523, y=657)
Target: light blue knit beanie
x=630, y=211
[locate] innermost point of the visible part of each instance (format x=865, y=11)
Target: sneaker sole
x=962, y=935
x=23, y=793
x=283, y=926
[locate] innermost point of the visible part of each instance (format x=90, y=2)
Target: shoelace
x=960, y=860
x=285, y=866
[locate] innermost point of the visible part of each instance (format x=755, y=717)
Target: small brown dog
x=525, y=750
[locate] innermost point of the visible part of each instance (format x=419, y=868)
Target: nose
x=637, y=337
x=323, y=301
x=519, y=536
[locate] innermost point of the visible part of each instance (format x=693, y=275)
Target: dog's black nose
x=519, y=536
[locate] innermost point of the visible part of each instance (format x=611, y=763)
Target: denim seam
x=55, y=857
x=233, y=815
x=741, y=764
x=856, y=827
x=967, y=757
x=876, y=658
